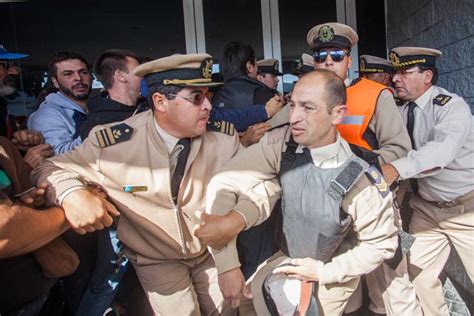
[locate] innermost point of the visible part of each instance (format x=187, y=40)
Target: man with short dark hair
x=60, y=116
x=372, y=123
x=337, y=215
x=441, y=170
x=119, y=100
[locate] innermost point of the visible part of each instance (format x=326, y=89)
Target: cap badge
x=299, y=64
x=326, y=33
x=275, y=65
x=394, y=59
x=206, y=67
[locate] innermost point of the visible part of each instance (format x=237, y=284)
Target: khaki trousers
x=332, y=298
x=391, y=292
x=436, y=229
x=187, y=287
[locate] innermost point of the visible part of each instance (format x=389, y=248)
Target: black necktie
x=180, y=166
x=410, y=126
x=411, y=122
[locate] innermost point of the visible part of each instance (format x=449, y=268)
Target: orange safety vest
x=361, y=101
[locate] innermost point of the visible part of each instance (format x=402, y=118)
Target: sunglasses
x=336, y=55
x=196, y=99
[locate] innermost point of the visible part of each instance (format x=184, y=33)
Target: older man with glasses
x=441, y=169
x=372, y=124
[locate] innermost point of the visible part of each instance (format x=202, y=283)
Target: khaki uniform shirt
x=388, y=128
x=150, y=224
x=250, y=180
x=443, y=160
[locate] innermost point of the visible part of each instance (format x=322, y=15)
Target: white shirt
x=443, y=160
x=332, y=155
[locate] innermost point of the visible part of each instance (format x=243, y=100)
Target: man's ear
x=160, y=102
x=55, y=82
x=349, y=65
x=338, y=113
x=428, y=77
x=249, y=66
x=120, y=76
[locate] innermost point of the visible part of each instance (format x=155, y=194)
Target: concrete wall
x=447, y=25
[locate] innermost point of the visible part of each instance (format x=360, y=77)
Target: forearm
x=376, y=234
x=23, y=230
x=242, y=118
x=390, y=131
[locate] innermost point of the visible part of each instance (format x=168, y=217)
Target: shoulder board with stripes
x=112, y=135
x=377, y=179
x=221, y=126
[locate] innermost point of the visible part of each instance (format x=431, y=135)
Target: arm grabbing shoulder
x=390, y=131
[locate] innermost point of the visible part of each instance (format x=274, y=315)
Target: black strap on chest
x=370, y=157
x=345, y=180
x=288, y=156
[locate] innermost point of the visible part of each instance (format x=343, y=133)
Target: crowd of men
x=225, y=196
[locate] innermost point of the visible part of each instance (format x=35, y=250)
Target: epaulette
x=377, y=179
x=112, y=135
x=221, y=126
x=441, y=99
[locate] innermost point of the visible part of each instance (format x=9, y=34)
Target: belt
x=458, y=201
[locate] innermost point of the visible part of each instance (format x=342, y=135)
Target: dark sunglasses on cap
x=336, y=55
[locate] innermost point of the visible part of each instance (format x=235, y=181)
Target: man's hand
x=35, y=197
x=253, y=134
x=389, y=173
x=35, y=155
x=217, y=231
x=27, y=138
x=232, y=285
x=87, y=212
x=304, y=269
x=274, y=105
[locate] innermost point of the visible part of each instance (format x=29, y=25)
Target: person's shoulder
x=372, y=178
x=278, y=134
x=443, y=99
x=116, y=133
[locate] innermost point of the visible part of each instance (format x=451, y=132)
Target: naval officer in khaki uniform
x=441, y=169
x=372, y=122
x=268, y=72
x=376, y=69
x=372, y=119
x=316, y=159
x=155, y=168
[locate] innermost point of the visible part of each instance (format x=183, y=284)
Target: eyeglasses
x=336, y=55
x=196, y=99
x=407, y=72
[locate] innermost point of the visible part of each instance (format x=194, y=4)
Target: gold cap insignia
x=326, y=33
x=394, y=59
x=207, y=68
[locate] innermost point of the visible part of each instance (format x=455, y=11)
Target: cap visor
x=12, y=56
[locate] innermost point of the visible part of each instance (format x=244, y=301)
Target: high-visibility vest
x=361, y=102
